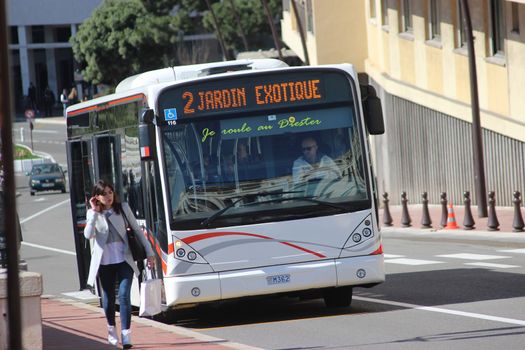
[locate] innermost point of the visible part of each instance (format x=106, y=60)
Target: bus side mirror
x=147, y=116
x=147, y=135
x=372, y=110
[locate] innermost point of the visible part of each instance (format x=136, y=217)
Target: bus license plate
x=278, y=279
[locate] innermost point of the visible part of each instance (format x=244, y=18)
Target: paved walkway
x=504, y=215
x=67, y=324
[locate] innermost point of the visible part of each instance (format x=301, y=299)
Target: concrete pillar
x=30, y=308
x=26, y=59
x=51, y=61
x=80, y=89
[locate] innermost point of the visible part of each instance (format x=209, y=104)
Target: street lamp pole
x=477, y=140
x=14, y=319
x=301, y=32
x=272, y=28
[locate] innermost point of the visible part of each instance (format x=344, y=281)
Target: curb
x=165, y=327
x=51, y=120
x=23, y=165
x=463, y=235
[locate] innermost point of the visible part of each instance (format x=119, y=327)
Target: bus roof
x=195, y=71
x=137, y=84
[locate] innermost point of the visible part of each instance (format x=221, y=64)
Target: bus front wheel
x=338, y=297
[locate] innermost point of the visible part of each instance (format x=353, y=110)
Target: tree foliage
x=126, y=37
x=122, y=38
x=253, y=22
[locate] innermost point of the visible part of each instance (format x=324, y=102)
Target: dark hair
x=98, y=189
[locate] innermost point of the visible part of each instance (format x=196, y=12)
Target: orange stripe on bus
x=109, y=103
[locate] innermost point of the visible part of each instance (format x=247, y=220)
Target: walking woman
x=111, y=258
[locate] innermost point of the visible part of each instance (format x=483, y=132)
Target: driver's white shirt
x=326, y=169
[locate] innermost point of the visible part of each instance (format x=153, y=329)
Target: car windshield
x=286, y=165
x=42, y=169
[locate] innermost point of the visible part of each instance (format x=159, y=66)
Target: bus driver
x=313, y=165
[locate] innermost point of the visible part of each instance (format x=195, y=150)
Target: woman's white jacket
x=97, y=228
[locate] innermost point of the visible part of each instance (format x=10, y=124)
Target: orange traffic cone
x=451, y=220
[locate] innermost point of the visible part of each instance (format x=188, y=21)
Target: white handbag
x=150, y=294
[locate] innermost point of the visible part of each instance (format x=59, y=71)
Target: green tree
x=126, y=37
x=253, y=22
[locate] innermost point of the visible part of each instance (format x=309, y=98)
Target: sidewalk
x=505, y=216
x=68, y=324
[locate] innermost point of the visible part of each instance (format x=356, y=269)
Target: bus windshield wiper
x=212, y=218
x=307, y=199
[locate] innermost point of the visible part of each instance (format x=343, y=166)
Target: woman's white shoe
x=126, y=338
x=112, y=336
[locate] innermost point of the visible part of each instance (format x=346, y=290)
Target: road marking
x=24, y=220
x=519, y=251
x=40, y=131
x=393, y=256
x=82, y=295
x=443, y=311
x=468, y=256
x=412, y=261
x=48, y=248
x=497, y=266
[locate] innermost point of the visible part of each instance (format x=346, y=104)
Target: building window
x=286, y=5
x=406, y=20
x=497, y=19
x=37, y=34
x=434, y=20
x=62, y=34
x=373, y=13
x=309, y=16
x=461, y=35
x=384, y=13
x=13, y=34
x=515, y=18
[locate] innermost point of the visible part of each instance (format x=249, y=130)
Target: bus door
x=80, y=185
x=106, y=160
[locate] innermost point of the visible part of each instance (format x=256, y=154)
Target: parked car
x=46, y=177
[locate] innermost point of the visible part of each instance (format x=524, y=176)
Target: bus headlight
x=184, y=252
x=192, y=255
x=361, y=233
x=180, y=253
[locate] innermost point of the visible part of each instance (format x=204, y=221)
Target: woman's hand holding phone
x=95, y=204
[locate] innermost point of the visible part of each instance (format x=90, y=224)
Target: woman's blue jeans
x=109, y=275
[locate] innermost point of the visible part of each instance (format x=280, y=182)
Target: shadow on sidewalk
x=56, y=338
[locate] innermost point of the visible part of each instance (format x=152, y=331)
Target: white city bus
x=216, y=162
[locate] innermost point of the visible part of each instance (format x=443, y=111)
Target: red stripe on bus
x=202, y=236
x=109, y=103
x=126, y=99
x=80, y=111
x=378, y=251
x=157, y=247
x=304, y=249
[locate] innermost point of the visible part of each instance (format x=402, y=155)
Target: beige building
x=414, y=52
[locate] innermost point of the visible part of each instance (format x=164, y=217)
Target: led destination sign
x=258, y=92
x=235, y=97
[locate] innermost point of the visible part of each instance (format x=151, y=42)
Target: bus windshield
x=264, y=168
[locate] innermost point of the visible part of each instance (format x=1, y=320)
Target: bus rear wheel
x=338, y=297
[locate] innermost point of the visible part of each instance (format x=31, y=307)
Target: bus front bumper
x=353, y=271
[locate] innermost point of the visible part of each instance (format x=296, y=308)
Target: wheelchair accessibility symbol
x=170, y=114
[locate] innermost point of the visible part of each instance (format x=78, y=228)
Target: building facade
x=40, y=52
x=416, y=57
